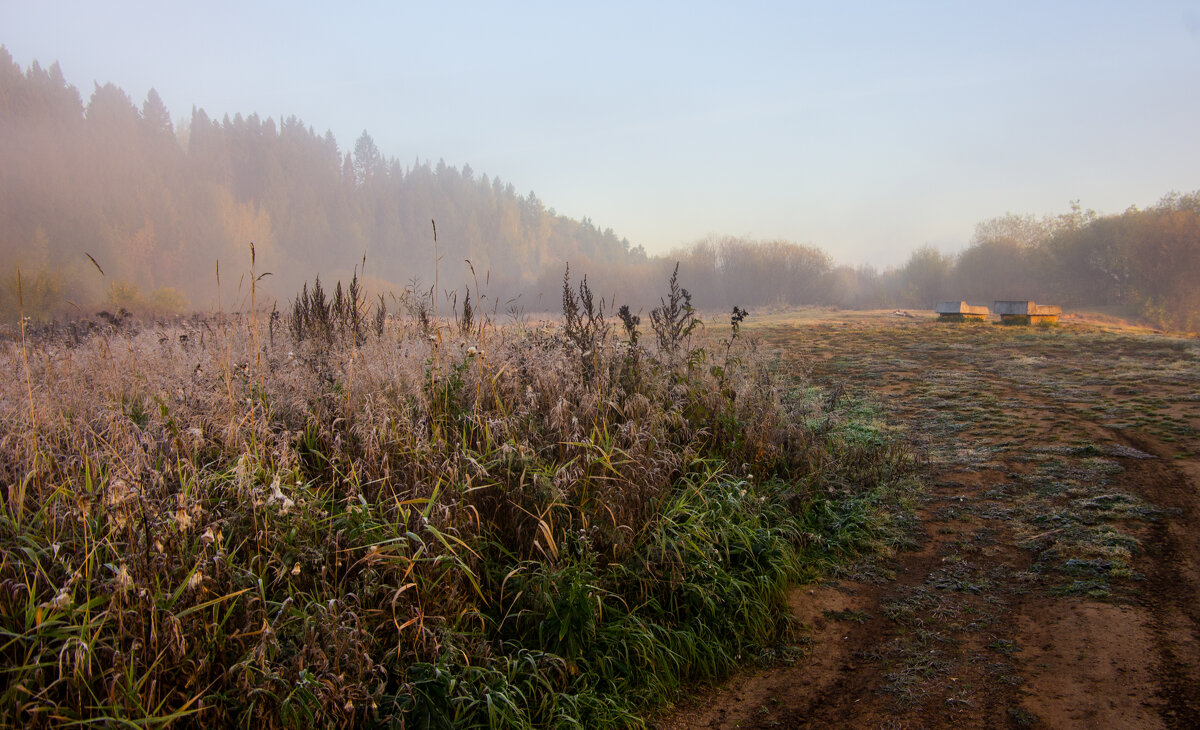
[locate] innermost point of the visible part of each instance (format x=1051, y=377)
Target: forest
x=111, y=205
x=158, y=206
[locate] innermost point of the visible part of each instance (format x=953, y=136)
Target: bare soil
x=1057, y=582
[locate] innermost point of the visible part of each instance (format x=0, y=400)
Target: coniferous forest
x=159, y=205
x=106, y=203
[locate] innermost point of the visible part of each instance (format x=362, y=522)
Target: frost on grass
x=407, y=522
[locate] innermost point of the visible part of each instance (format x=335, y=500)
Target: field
x=1055, y=582
x=344, y=517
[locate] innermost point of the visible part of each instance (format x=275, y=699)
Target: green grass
x=428, y=526
x=1027, y=435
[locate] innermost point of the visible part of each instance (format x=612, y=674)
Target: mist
x=110, y=204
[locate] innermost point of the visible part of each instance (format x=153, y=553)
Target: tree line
x=112, y=204
x=1144, y=261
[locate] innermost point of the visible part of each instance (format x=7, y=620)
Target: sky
x=866, y=129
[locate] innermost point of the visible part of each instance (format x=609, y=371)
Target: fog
x=107, y=203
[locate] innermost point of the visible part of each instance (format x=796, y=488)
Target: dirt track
x=1057, y=582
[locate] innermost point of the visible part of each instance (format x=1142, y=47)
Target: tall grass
x=411, y=524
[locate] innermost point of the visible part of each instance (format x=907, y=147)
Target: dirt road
x=1057, y=582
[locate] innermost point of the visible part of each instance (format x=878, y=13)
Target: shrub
x=675, y=319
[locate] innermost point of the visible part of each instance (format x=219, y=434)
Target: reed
x=414, y=523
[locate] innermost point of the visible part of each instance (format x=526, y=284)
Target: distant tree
x=155, y=116
x=925, y=277
x=853, y=288
x=11, y=83
x=998, y=268
x=1024, y=231
x=110, y=108
x=1164, y=248
x=368, y=161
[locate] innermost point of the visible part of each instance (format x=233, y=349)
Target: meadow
x=1055, y=582
x=341, y=515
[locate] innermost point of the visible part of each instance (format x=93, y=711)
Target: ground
x=1057, y=574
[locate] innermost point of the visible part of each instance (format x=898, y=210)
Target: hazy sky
x=864, y=128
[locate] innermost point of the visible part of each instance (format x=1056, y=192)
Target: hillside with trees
x=159, y=208
x=167, y=213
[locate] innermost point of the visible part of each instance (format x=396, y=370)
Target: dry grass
x=1030, y=434
x=223, y=523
